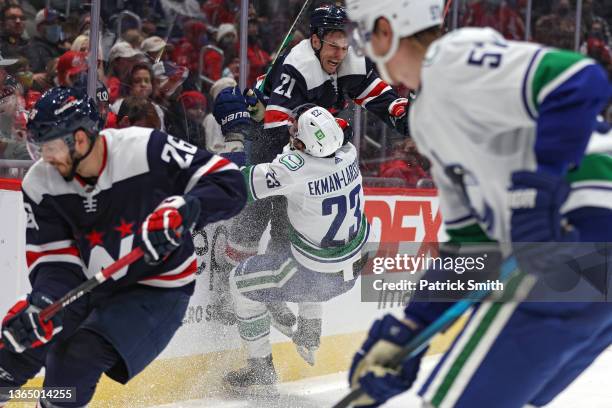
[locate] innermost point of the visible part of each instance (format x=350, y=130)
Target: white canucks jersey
x=480, y=99
x=325, y=204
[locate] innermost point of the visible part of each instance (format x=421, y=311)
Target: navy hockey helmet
x=57, y=115
x=60, y=112
x=327, y=18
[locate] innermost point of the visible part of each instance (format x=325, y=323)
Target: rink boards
x=203, y=350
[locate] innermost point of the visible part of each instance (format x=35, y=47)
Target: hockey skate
x=307, y=338
x=257, y=378
x=283, y=318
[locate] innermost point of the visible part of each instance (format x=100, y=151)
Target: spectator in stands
x=558, y=28
x=406, y=164
x=80, y=43
x=258, y=58
x=12, y=41
x=592, y=23
x=155, y=49
x=232, y=69
x=45, y=45
x=187, y=50
x=21, y=71
x=140, y=84
x=187, y=122
x=134, y=37
x=121, y=58
x=221, y=11
x=597, y=48
x=170, y=78
x=213, y=61
x=137, y=111
x=70, y=67
x=498, y=15
x=12, y=121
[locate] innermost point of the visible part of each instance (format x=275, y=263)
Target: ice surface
x=593, y=390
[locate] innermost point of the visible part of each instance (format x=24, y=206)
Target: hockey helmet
x=405, y=17
x=58, y=114
x=327, y=18
x=317, y=129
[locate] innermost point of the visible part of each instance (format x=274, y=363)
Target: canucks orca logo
x=292, y=161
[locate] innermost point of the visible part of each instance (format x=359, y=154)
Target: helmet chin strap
x=381, y=60
x=77, y=160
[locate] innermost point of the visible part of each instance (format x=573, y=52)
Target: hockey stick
x=421, y=340
x=48, y=312
x=284, y=44
x=446, y=10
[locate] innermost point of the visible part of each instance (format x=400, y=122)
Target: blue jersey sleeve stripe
x=531, y=110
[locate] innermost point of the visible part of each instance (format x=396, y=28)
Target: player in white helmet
x=498, y=119
x=319, y=175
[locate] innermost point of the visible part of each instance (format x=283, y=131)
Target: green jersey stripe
x=247, y=173
x=470, y=233
x=273, y=278
x=594, y=167
x=554, y=68
x=330, y=253
x=484, y=325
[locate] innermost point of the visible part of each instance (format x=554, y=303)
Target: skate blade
x=286, y=330
x=307, y=354
x=262, y=391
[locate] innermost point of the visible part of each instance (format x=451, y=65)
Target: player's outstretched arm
x=375, y=95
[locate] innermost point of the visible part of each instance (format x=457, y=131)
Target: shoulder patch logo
x=338, y=160
x=292, y=161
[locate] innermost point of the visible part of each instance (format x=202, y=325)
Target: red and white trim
x=236, y=253
x=182, y=275
x=276, y=116
x=376, y=88
x=58, y=251
x=214, y=165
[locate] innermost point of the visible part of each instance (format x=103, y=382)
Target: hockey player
x=506, y=125
x=325, y=71
x=91, y=198
x=320, y=177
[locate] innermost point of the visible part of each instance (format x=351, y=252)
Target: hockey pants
x=269, y=278
x=513, y=354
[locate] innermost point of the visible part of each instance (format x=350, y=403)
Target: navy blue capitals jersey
x=75, y=229
x=301, y=79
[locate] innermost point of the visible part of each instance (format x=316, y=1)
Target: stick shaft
x=284, y=43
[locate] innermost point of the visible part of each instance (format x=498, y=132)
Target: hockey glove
x=231, y=111
x=347, y=129
x=398, y=114
x=535, y=201
x=165, y=228
x=368, y=370
x=22, y=327
x=257, y=102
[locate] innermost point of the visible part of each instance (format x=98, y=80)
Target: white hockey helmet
x=406, y=17
x=317, y=129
